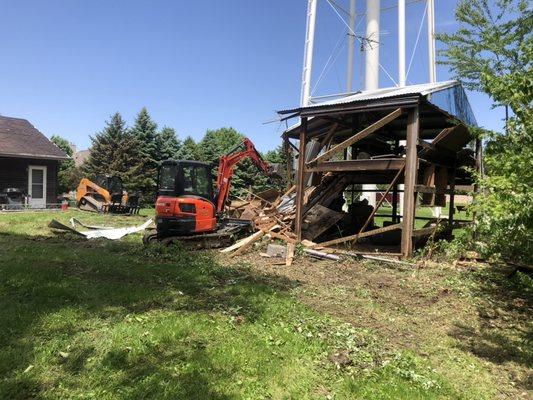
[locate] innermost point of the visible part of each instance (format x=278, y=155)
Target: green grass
x=421, y=212
x=116, y=320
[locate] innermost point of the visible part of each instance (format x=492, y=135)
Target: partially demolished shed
x=416, y=136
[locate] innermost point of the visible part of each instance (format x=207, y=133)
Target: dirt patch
x=433, y=311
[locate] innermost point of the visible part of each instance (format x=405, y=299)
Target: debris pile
x=94, y=232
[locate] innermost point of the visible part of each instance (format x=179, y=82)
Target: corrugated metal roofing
x=368, y=95
x=448, y=96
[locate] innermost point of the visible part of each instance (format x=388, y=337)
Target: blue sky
x=196, y=65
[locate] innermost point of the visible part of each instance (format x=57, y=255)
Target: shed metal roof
x=448, y=96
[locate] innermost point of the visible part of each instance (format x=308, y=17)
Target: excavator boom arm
x=227, y=164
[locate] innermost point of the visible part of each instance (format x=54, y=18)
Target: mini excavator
x=105, y=196
x=188, y=211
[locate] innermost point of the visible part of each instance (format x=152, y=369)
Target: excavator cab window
x=195, y=180
x=179, y=178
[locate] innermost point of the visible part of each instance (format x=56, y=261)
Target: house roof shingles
x=19, y=138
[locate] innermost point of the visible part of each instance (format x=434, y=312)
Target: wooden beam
x=357, y=137
x=362, y=235
x=382, y=164
x=452, y=197
x=380, y=202
x=413, y=126
x=300, y=182
x=326, y=139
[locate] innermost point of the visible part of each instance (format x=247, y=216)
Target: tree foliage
x=144, y=130
x=134, y=154
x=115, y=151
x=492, y=52
x=67, y=173
x=168, y=145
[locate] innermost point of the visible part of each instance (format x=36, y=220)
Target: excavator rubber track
x=229, y=231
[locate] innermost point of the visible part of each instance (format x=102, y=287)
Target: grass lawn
x=116, y=320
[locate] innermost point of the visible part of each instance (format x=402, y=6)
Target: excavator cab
x=185, y=201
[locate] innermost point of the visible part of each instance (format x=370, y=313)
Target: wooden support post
x=452, y=198
x=300, y=181
x=289, y=160
x=411, y=167
x=395, y=217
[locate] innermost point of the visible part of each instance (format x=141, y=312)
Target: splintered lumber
x=357, y=137
x=281, y=236
x=290, y=255
x=308, y=243
x=245, y=246
x=288, y=192
x=321, y=255
x=388, y=260
x=362, y=235
x=243, y=242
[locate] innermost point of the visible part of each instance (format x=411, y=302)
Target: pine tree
x=218, y=142
x=168, y=144
x=144, y=131
x=104, y=147
x=189, y=150
x=116, y=152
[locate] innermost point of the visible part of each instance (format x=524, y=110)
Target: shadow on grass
x=109, y=281
x=505, y=334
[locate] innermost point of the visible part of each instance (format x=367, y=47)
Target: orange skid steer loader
x=106, y=195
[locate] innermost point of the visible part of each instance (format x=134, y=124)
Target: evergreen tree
x=189, y=150
x=104, y=147
x=67, y=170
x=144, y=131
x=116, y=152
x=168, y=144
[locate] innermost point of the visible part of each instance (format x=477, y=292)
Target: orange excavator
x=187, y=209
x=105, y=196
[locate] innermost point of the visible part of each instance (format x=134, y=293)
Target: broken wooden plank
x=242, y=242
x=388, y=260
x=290, y=255
x=280, y=236
x=357, y=137
x=245, y=246
x=362, y=235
